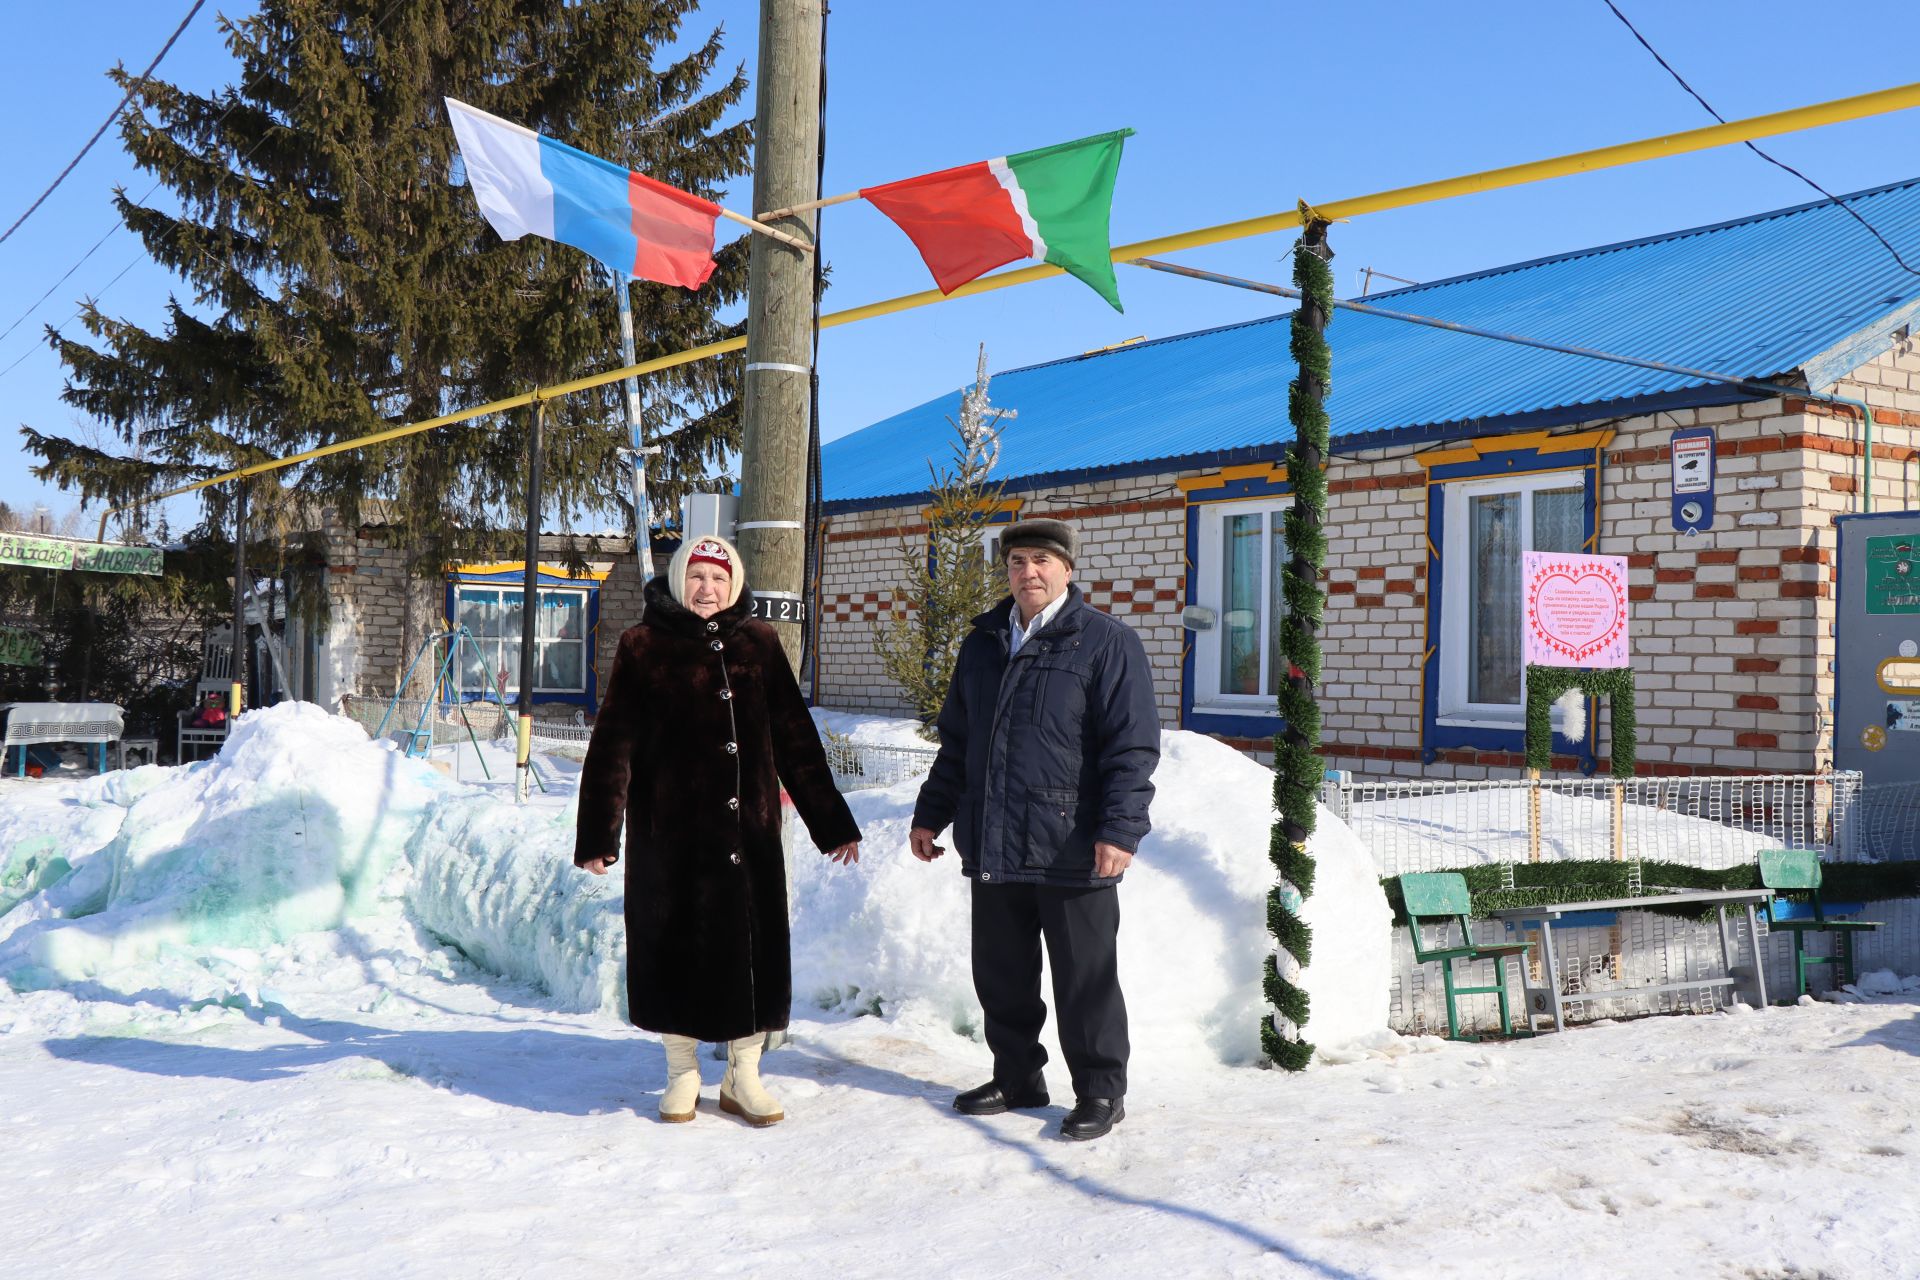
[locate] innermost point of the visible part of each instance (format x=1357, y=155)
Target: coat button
x=733, y=748
x=726, y=695
x=734, y=858
x=733, y=802
x=717, y=646
x=986, y=875
x=713, y=626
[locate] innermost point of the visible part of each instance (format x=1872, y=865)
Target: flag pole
x=636, y=438
x=804, y=206
x=790, y=240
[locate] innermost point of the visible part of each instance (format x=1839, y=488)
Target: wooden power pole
x=773, y=451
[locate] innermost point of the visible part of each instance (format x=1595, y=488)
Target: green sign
x=1893, y=575
x=20, y=648
x=68, y=553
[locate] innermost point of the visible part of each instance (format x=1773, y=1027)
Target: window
x=1489, y=524
x=1240, y=561
x=493, y=615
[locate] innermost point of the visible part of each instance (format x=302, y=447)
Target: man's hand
x=598, y=866
x=923, y=846
x=846, y=854
x=1109, y=860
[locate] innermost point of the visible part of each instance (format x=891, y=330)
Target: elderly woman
x=702, y=724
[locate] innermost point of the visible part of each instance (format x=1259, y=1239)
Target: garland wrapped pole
x=1296, y=749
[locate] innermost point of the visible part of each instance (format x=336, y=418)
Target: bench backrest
x=1790, y=868
x=1435, y=893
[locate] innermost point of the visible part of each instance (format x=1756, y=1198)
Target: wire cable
x=1851, y=212
x=117, y=225
x=5, y=235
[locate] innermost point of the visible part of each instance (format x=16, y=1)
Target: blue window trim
x=1225, y=723
x=1495, y=461
x=517, y=578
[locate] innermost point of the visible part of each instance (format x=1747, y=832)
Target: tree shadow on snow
x=838, y=1069
x=566, y=1073
x=1903, y=1036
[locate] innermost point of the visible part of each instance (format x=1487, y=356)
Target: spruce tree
x=948, y=581
x=340, y=282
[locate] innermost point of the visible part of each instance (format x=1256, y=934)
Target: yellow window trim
x=1538, y=441
x=1271, y=472
x=519, y=566
x=1005, y=505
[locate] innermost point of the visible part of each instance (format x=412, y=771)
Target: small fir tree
x=948, y=580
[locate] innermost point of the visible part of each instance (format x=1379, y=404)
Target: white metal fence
x=450, y=723
x=857, y=766
x=1708, y=822
x=1713, y=823
x=864, y=766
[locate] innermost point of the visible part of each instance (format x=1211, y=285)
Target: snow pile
x=157, y=880
x=299, y=826
x=1193, y=934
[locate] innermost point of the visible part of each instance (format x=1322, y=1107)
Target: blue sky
x=1241, y=108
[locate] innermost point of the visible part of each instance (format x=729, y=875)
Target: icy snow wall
x=143, y=881
x=133, y=879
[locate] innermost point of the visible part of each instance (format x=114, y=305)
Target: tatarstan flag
x=1052, y=204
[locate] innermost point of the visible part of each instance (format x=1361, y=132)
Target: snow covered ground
x=230, y=1045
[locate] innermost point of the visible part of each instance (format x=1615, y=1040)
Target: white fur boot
x=740, y=1091
x=683, y=1079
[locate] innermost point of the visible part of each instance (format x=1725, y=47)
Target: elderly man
x=1048, y=741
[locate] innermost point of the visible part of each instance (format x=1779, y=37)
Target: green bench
x=1800, y=869
x=1442, y=897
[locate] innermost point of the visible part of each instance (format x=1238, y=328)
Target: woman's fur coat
x=707, y=944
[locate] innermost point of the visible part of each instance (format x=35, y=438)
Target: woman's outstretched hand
x=846, y=854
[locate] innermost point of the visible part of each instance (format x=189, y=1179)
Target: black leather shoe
x=1092, y=1118
x=990, y=1099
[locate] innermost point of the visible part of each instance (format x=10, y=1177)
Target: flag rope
x=1816, y=115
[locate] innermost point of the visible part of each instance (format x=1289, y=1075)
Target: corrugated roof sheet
x=1755, y=298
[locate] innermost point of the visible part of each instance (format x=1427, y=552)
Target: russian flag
x=530, y=184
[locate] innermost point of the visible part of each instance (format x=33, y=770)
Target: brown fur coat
x=707, y=942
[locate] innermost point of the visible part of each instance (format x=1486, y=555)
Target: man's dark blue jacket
x=1042, y=755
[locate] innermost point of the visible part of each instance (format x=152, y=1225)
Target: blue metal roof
x=1806, y=288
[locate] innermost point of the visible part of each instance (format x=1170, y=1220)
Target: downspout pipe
x=1866, y=442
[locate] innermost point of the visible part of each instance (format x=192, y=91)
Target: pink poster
x=1575, y=610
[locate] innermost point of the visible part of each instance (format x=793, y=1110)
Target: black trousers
x=1081, y=928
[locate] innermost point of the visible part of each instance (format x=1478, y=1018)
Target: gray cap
x=1056, y=536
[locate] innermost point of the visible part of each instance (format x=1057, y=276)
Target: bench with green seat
x=1800, y=869
x=1442, y=896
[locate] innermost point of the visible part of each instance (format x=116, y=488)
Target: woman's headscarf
x=708, y=548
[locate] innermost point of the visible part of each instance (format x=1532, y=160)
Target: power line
x=1851, y=212
x=107, y=124
x=116, y=226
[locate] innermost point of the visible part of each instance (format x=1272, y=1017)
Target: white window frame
x=1210, y=592
x=1453, y=708
x=512, y=669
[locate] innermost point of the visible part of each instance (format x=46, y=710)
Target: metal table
x=1547, y=1001
x=32, y=723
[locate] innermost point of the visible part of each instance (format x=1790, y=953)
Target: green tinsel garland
x=1615, y=684
x=1296, y=750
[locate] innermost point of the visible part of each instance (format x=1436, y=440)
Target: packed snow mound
x=130, y=880
x=1193, y=936
x=162, y=882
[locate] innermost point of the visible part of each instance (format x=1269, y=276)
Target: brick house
x=378, y=615
x=1451, y=455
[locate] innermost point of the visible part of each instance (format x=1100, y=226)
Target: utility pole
x=773, y=451
x=236, y=692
